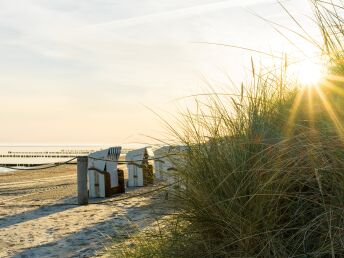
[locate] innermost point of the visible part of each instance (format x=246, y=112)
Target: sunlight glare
x=310, y=74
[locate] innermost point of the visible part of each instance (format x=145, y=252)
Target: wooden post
x=82, y=180
x=121, y=180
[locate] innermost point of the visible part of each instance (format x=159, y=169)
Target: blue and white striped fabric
x=114, y=153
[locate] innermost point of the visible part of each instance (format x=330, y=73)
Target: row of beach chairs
x=106, y=179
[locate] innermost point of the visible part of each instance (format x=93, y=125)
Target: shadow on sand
x=40, y=212
x=88, y=241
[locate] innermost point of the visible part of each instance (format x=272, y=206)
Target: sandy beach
x=39, y=216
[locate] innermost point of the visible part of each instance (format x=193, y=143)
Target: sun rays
x=311, y=73
x=316, y=99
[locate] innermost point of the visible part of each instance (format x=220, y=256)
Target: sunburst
x=310, y=74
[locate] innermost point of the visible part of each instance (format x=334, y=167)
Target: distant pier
x=37, y=158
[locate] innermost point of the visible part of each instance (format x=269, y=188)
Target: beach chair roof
x=112, y=153
x=138, y=154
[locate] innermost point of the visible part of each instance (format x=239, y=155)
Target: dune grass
x=264, y=170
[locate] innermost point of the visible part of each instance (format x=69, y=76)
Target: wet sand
x=39, y=216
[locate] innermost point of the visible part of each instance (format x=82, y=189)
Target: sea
x=22, y=155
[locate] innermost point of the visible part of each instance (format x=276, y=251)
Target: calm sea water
x=40, y=154
x=5, y=170
x=21, y=152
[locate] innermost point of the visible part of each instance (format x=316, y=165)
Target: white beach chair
x=140, y=167
x=99, y=171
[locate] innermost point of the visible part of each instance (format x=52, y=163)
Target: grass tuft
x=264, y=170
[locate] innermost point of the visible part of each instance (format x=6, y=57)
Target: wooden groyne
x=37, y=158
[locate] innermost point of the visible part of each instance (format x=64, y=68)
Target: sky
x=99, y=71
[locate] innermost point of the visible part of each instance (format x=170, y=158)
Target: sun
x=310, y=74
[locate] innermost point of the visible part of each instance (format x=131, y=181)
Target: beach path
x=39, y=216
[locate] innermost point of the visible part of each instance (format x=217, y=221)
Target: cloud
x=105, y=56
x=179, y=12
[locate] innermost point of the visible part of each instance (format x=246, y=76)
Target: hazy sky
x=83, y=71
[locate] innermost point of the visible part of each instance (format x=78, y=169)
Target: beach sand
x=39, y=216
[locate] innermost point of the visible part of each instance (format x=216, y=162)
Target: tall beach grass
x=264, y=169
